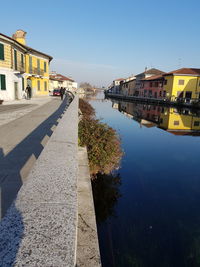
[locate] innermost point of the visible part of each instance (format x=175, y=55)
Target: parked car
x=56, y=92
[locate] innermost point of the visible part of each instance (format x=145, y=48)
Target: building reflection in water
x=176, y=121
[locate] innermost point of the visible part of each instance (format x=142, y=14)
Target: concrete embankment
x=40, y=228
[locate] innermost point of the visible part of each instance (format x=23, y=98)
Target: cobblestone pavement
x=12, y=110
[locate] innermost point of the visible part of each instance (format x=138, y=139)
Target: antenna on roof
x=145, y=69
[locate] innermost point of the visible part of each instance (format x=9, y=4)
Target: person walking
x=28, y=92
x=62, y=93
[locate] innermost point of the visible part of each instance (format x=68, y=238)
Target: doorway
x=16, y=90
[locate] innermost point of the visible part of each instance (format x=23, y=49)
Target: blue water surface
x=156, y=219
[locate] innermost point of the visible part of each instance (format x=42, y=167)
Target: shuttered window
x=45, y=86
x=22, y=60
x=45, y=67
x=1, y=52
x=30, y=64
x=38, y=84
x=2, y=82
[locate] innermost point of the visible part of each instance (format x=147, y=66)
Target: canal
x=148, y=211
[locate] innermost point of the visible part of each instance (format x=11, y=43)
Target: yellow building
x=181, y=124
x=21, y=65
x=183, y=84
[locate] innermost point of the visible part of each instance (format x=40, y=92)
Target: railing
x=19, y=68
x=36, y=71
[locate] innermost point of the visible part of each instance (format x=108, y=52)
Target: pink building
x=153, y=87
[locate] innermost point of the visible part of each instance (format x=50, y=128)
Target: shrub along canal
x=148, y=210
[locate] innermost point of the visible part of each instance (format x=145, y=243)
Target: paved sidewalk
x=21, y=142
x=12, y=110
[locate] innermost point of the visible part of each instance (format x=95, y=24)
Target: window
x=2, y=82
x=181, y=82
x=156, y=84
x=165, y=82
x=45, y=86
x=176, y=122
x=45, y=67
x=1, y=52
x=38, y=66
x=180, y=94
x=22, y=60
x=30, y=64
x=160, y=93
x=164, y=93
x=15, y=59
x=38, y=85
x=196, y=123
x=151, y=84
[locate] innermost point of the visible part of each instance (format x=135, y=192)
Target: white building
x=58, y=80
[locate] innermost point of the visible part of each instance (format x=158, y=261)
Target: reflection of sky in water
x=158, y=218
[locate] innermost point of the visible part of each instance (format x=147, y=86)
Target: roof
x=155, y=77
x=152, y=71
x=119, y=79
x=60, y=77
x=186, y=71
x=26, y=47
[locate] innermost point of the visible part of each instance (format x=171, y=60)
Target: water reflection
x=157, y=218
x=176, y=121
x=106, y=193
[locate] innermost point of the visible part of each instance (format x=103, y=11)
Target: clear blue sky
x=98, y=40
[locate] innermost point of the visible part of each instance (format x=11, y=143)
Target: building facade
x=183, y=84
x=58, y=80
x=153, y=87
x=21, y=65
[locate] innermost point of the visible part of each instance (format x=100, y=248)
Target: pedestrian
x=62, y=93
x=28, y=92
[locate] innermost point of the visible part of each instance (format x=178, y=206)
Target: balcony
x=19, y=69
x=36, y=71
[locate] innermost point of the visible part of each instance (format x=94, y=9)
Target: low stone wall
x=40, y=228
x=87, y=242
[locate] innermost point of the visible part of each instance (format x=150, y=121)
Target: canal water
x=148, y=211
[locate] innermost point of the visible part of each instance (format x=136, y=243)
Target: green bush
x=103, y=145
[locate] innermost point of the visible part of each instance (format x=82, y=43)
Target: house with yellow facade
x=21, y=65
x=182, y=84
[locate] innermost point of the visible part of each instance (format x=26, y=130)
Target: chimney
x=19, y=36
x=145, y=69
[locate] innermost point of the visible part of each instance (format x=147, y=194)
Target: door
x=16, y=89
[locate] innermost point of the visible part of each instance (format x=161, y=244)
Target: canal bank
x=152, y=218
x=157, y=101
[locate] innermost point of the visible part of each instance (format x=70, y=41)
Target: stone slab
x=88, y=253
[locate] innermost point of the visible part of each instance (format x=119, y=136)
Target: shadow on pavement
x=13, y=164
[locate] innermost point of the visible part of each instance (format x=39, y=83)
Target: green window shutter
x=30, y=64
x=22, y=60
x=15, y=57
x=45, y=86
x=38, y=85
x=38, y=66
x=45, y=67
x=2, y=82
x=1, y=52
